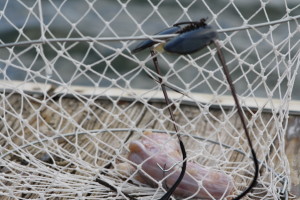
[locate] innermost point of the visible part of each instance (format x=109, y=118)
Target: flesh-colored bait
x=158, y=156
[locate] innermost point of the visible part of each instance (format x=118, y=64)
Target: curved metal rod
x=240, y=113
x=170, y=191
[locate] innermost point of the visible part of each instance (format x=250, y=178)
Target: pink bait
x=158, y=151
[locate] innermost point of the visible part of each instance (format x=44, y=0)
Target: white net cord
x=81, y=117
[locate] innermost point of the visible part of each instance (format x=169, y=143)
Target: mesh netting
x=75, y=101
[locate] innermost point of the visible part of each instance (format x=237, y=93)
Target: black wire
x=113, y=188
x=168, y=86
x=183, y=169
x=183, y=151
x=154, y=58
x=240, y=112
x=193, y=25
x=201, y=22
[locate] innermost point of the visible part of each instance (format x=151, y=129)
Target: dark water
x=95, y=64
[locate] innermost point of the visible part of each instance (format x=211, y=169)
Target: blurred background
x=96, y=64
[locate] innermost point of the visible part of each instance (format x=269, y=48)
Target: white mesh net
x=74, y=98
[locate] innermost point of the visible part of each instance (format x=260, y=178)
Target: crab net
x=74, y=98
